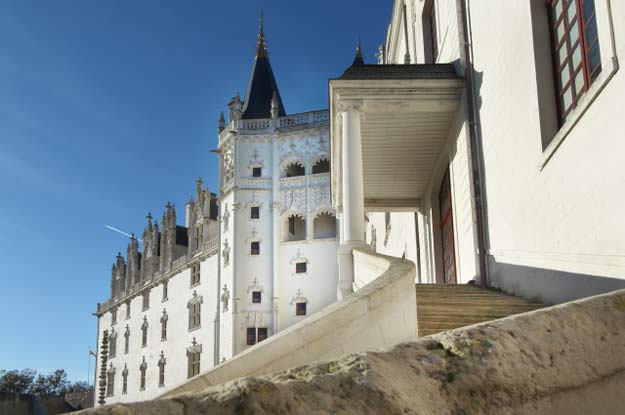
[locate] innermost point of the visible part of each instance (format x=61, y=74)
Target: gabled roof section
x=262, y=85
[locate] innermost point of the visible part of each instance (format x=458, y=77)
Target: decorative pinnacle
x=261, y=47
x=358, y=60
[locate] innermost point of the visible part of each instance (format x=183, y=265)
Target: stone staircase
x=442, y=307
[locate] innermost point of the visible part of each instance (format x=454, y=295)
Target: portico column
x=353, y=218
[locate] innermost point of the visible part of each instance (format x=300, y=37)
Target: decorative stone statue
x=225, y=297
x=226, y=253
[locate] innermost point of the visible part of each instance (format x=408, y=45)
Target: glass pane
x=579, y=82
x=557, y=7
x=594, y=58
x=591, y=30
x=560, y=31
x=576, y=58
x=567, y=99
x=565, y=75
x=574, y=33
x=589, y=8
x=571, y=10
x=562, y=54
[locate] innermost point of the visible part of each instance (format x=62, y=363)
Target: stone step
x=443, y=307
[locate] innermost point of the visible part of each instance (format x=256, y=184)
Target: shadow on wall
x=547, y=285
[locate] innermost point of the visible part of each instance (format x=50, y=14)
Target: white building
x=198, y=294
x=514, y=179
x=483, y=146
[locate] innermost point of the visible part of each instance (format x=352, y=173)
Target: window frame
x=254, y=212
x=589, y=75
x=259, y=170
x=257, y=295
x=255, y=252
x=301, y=308
x=609, y=67
x=298, y=270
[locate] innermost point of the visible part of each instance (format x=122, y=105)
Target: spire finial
x=358, y=60
x=261, y=47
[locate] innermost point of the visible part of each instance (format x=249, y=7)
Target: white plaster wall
x=401, y=240
x=561, y=222
x=318, y=285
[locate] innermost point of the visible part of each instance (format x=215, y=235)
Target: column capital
x=351, y=105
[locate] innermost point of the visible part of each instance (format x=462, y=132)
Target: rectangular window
x=128, y=310
x=164, y=291
x=251, y=336
x=161, y=375
x=125, y=383
x=255, y=248
x=144, y=337
x=262, y=334
x=146, y=300
x=195, y=274
x=163, y=330
x=193, y=364
x=575, y=48
x=114, y=316
x=300, y=267
x=110, y=384
x=256, y=297
x=126, y=343
x=194, y=315
x=254, y=212
x=142, y=381
x=112, y=346
x=257, y=172
x=300, y=309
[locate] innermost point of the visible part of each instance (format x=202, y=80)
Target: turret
x=235, y=106
x=133, y=265
x=221, y=124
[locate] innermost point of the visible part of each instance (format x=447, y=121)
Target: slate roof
x=414, y=71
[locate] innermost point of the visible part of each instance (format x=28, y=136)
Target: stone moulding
x=562, y=360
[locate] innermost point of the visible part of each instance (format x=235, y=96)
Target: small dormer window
x=257, y=172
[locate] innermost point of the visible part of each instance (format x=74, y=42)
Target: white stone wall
x=179, y=337
x=552, y=231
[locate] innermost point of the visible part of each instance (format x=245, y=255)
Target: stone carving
x=162, y=361
x=293, y=199
x=225, y=253
x=144, y=326
x=165, y=317
x=225, y=298
x=194, y=348
x=256, y=161
x=299, y=258
x=195, y=299
x=374, y=239
x=255, y=286
x=299, y=298
x=225, y=218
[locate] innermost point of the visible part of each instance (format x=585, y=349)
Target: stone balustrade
x=381, y=314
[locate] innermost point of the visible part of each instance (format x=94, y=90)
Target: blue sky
x=108, y=110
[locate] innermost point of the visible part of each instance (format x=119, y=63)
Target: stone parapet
x=563, y=360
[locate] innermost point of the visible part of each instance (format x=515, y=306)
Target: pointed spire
x=358, y=60
x=262, y=85
x=261, y=47
x=221, y=124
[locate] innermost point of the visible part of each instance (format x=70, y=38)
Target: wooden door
x=447, y=230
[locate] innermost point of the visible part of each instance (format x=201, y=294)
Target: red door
x=447, y=230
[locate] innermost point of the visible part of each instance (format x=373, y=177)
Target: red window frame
x=584, y=21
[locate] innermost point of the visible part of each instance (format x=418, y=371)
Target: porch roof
x=407, y=111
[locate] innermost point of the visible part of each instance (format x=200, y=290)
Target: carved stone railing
x=209, y=248
x=266, y=124
x=304, y=119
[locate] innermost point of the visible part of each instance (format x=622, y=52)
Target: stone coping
x=562, y=360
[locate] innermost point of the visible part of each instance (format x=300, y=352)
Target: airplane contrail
x=122, y=232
